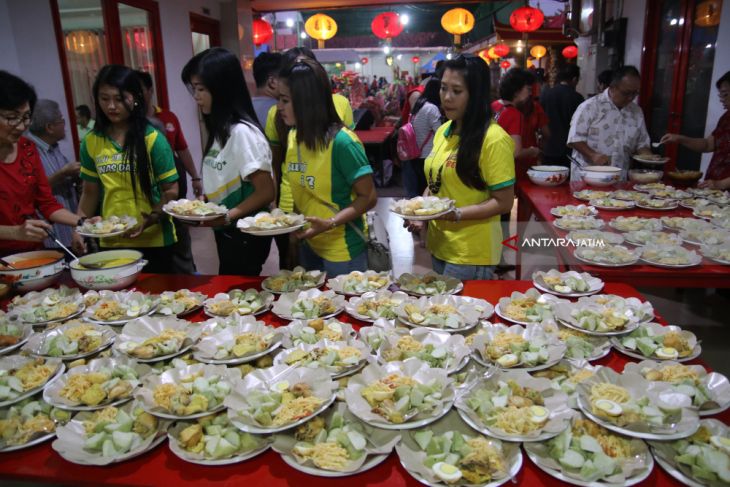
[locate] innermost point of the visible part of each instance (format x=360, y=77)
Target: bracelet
x=195, y=179
x=457, y=214
x=227, y=218
x=333, y=223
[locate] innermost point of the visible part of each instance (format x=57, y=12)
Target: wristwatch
x=81, y=221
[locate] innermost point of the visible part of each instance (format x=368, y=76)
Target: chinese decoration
x=570, y=52
x=82, y=41
x=707, y=13
x=364, y=60
x=321, y=27
x=457, y=22
x=538, y=51
x=505, y=64
x=262, y=31
x=526, y=19
x=386, y=25
x=501, y=50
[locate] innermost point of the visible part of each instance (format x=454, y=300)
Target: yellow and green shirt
x=344, y=110
x=330, y=174
x=102, y=162
x=470, y=242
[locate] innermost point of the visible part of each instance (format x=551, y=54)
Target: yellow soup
x=106, y=264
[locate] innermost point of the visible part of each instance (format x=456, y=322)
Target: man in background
x=560, y=103
x=47, y=128
x=265, y=69
x=84, y=122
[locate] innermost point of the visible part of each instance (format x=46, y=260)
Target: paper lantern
x=389, y=60
x=364, y=60
x=570, y=52
x=82, y=42
x=457, y=22
x=262, y=32
x=492, y=55
x=707, y=13
x=526, y=19
x=530, y=64
x=501, y=50
x=538, y=51
x=416, y=59
x=484, y=54
x=321, y=27
x=505, y=64
x=386, y=25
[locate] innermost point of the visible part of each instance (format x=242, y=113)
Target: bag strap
x=428, y=137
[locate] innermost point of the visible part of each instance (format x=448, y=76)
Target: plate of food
x=357, y=283
x=591, y=194
x=646, y=237
x=705, y=236
x=657, y=204
x=297, y=279
x=118, y=307
x=109, y=435
x=450, y=453
x=188, y=392
x=721, y=222
x=717, y=253
x=643, y=311
x=573, y=210
x=13, y=334
x=588, y=454
x=238, y=344
x=49, y=310
x=649, y=187
x=627, y=195
x=608, y=256
x=679, y=223
x=180, y=303
x=100, y=383
x=566, y=375
x=634, y=223
x=310, y=332
x=658, y=342
x=670, y=193
x=335, y=444
x=706, y=192
x=339, y=359
x=372, y=306
x=693, y=203
x=526, y=308
x=156, y=339
x=22, y=377
x=514, y=406
x=612, y=204
x=655, y=159
x=594, y=238
x=422, y=207
x=308, y=305
x=429, y=284
x=279, y=398
x=438, y=313
x=721, y=198
x=438, y=349
x=699, y=460
x=275, y=223
x=569, y=223
x=569, y=284
x=709, y=392
x=106, y=227
x=380, y=331
x=212, y=440
x=29, y=423
x=670, y=256
x=517, y=347
x=71, y=341
x=594, y=319
x=579, y=346
x=631, y=405
x=194, y=210
x=238, y=301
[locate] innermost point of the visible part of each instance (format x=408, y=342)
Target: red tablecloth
x=376, y=135
x=538, y=200
x=160, y=467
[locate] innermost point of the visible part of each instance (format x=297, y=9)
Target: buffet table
x=160, y=467
x=534, y=200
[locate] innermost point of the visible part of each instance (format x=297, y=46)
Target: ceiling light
x=358, y=65
x=303, y=35
x=399, y=57
x=290, y=23
x=404, y=19
x=386, y=49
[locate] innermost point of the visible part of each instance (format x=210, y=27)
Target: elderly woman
x=24, y=188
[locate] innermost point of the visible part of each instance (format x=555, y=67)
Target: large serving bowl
x=644, y=176
x=36, y=277
x=113, y=277
x=684, y=178
x=600, y=175
x=548, y=175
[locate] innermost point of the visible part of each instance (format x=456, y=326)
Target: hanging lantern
x=530, y=64
x=505, y=64
x=707, y=13
x=364, y=60
x=501, y=50
x=484, y=54
x=386, y=25
x=416, y=59
x=570, y=52
x=457, y=22
x=491, y=54
x=262, y=31
x=82, y=41
x=526, y=19
x=538, y=51
x=389, y=60
x=321, y=27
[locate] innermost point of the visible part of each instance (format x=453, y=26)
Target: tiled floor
x=702, y=311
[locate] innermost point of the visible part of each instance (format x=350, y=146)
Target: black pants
x=182, y=252
x=285, y=257
x=241, y=254
x=159, y=259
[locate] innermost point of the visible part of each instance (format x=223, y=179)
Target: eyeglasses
x=16, y=120
x=629, y=94
x=434, y=186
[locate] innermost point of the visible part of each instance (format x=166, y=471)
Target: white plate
x=409, y=425
x=31, y=392
x=602, y=264
x=161, y=357
x=546, y=435
x=237, y=360
x=323, y=317
x=616, y=343
x=73, y=315
x=272, y=231
x=643, y=475
x=103, y=235
x=656, y=162
x=672, y=206
x=49, y=400
x=187, y=218
x=456, y=290
x=477, y=357
x=178, y=452
x=371, y=462
x=629, y=206
x=161, y=436
x=674, y=472
x=267, y=431
x=546, y=289
x=629, y=328
x=466, y=327
x=108, y=335
x=20, y=343
x=667, y=266
x=498, y=310
x=120, y=322
x=435, y=216
x=557, y=224
x=260, y=311
x=35, y=442
x=174, y=417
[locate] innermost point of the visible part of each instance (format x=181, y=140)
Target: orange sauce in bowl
x=28, y=263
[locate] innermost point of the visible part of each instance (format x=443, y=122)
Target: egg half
x=281, y=386
x=539, y=414
x=508, y=360
x=667, y=353
x=609, y=407
x=446, y=472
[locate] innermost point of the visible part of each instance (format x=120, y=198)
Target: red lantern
x=501, y=50
x=262, y=31
x=526, y=19
x=570, y=52
x=386, y=25
x=505, y=64
x=415, y=59
x=364, y=60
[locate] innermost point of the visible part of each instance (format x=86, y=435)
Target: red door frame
x=652, y=27
x=112, y=26
x=206, y=25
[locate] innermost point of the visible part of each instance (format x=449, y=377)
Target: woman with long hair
x=472, y=163
x=328, y=172
x=128, y=168
x=237, y=161
x=426, y=119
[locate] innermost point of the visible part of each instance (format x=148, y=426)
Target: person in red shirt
x=535, y=131
x=24, y=190
x=514, y=90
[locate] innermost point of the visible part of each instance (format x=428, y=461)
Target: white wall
x=8, y=55
x=635, y=11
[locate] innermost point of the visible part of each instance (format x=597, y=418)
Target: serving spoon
x=54, y=237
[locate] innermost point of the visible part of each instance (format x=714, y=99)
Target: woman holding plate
x=472, y=163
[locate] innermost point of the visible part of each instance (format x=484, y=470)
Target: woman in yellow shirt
x=472, y=163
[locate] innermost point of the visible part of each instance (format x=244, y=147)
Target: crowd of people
x=275, y=150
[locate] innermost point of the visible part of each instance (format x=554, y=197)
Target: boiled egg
x=50, y=300
x=244, y=310
x=539, y=414
x=609, y=407
x=133, y=311
x=335, y=326
x=417, y=317
x=446, y=472
x=309, y=330
x=721, y=443
x=667, y=353
x=563, y=289
x=281, y=386
x=508, y=360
